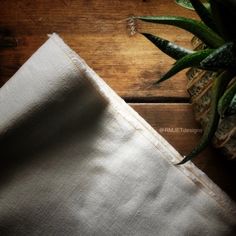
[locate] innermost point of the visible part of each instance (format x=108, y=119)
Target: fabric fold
x=77, y=160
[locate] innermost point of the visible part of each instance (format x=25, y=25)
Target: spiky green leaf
x=232, y=106
x=192, y=60
x=185, y=3
x=208, y=6
x=203, y=32
x=223, y=57
x=219, y=85
x=226, y=99
x=169, y=48
x=204, y=14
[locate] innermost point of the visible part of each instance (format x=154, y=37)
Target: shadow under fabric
x=77, y=160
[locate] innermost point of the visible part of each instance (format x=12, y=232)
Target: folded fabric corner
x=77, y=160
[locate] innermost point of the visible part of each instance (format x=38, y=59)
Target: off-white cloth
x=77, y=160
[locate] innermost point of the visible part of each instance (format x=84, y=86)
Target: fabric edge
x=191, y=171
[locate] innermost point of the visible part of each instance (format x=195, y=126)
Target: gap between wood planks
x=157, y=99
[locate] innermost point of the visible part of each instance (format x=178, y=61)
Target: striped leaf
x=219, y=85
x=232, y=106
x=204, y=14
x=227, y=99
x=199, y=29
x=185, y=3
x=222, y=58
x=192, y=60
x=169, y=48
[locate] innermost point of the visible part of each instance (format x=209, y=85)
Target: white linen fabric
x=77, y=160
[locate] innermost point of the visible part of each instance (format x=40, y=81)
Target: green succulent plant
x=216, y=30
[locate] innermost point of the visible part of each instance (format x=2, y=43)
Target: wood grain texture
x=97, y=30
x=175, y=122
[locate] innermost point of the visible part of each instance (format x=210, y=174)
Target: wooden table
x=97, y=30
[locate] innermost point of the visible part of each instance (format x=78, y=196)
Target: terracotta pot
x=199, y=87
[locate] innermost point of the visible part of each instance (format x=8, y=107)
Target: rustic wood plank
x=97, y=30
x=175, y=122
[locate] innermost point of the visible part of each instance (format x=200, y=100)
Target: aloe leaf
x=222, y=58
x=203, y=13
x=185, y=3
x=232, y=106
x=203, y=32
x=208, y=6
x=226, y=99
x=219, y=84
x=169, y=48
x=192, y=60
x=223, y=12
